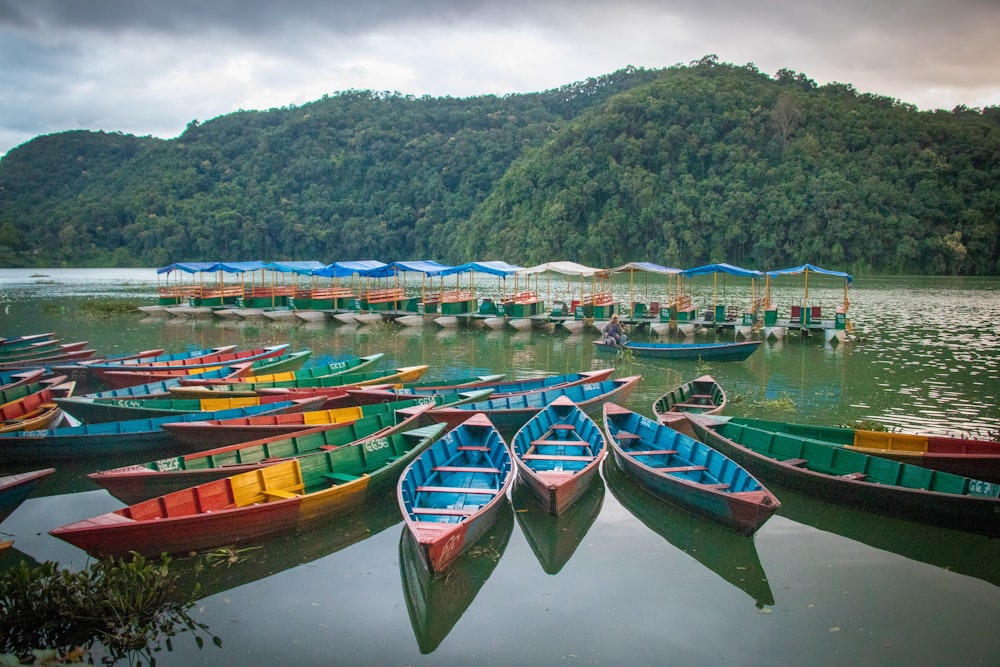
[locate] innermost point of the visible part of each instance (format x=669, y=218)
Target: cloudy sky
x=148, y=67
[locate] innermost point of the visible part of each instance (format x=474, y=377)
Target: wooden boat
x=557, y=454
x=119, y=437
x=250, y=506
x=452, y=494
x=681, y=470
x=84, y=372
x=350, y=365
x=35, y=410
x=555, y=538
x=703, y=396
x=121, y=379
x=46, y=361
x=436, y=602
x=12, y=379
x=979, y=459
x=142, y=481
x=853, y=478
x=500, y=387
x=46, y=348
x=95, y=410
x=21, y=341
x=144, y=373
x=14, y=489
x=391, y=376
x=216, y=432
x=686, y=351
x=513, y=411
x=732, y=557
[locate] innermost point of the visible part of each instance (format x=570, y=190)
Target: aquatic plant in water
x=115, y=609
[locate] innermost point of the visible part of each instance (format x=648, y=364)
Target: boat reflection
x=230, y=569
x=957, y=551
x=436, y=602
x=733, y=557
x=554, y=539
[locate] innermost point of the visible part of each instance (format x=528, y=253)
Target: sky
x=149, y=67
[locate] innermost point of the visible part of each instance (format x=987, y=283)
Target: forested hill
x=681, y=166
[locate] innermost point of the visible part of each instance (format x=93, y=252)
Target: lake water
x=623, y=579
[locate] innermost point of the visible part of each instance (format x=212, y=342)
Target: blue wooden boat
x=840, y=475
x=685, y=351
x=14, y=489
x=119, y=437
x=702, y=395
x=513, y=411
x=688, y=473
x=558, y=453
x=452, y=493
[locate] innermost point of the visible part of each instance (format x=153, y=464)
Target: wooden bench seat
x=473, y=448
x=653, y=452
x=384, y=295
x=464, y=511
x=555, y=457
x=721, y=486
x=490, y=471
x=279, y=494
x=625, y=435
x=558, y=443
x=562, y=427
x=683, y=469
x=456, y=489
x=854, y=475
x=339, y=477
x=798, y=463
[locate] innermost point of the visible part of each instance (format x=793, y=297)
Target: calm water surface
x=622, y=579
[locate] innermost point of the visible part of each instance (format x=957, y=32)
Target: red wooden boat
x=558, y=453
x=145, y=374
x=250, y=506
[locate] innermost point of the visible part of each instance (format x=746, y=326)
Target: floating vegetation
x=115, y=609
x=754, y=401
x=624, y=357
x=103, y=309
x=227, y=555
x=867, y=425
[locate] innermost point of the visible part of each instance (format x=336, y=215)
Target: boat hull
x=686, y=351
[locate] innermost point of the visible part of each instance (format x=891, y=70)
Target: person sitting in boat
x=613, y=332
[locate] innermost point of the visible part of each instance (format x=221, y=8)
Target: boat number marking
x=981, y=488
x=453, y=543
x=590, y=386
x=164, y=465
x=375, y=445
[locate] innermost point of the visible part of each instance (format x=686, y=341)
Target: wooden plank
x=279, y=494
x=559, y=443
x=798, y=463
x=555, y=457
x=683, y=469
x=653, y=452
x=625, y=435
x=492, y=471
x=465, y=511
x=473, y=448
x=456, y=489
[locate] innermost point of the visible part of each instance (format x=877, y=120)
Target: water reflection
x=436, y=602
x=966, y=553
x=732, y=557
x=554, y=539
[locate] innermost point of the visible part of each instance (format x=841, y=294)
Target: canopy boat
x=979, y=459
x=119, y=437
x=557, y=454
x=499, y=387
x=513, y=411
x=853, y=478
x=435, y=602
x=688, y=473
x=133, y=483
x=350, y=365
x=95, y=410
x=733, y=557
x=703, y=395
x=210, y=432
x=686, y=351
x=14, y=489
x=250, y=506
x=554, y=537
x=453, y=493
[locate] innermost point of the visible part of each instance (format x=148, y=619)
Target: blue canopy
x=722, y=268
x=342, y=269
x=807, y=268
x=191, y=267
x=240, y=267
x=306, y=267
x=495, y=268
x=427, y=267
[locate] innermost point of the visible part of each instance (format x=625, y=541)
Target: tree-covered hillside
x=682, y=166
